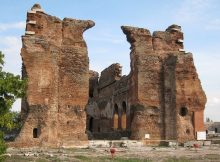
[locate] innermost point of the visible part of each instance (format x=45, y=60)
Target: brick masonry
x=161, y=98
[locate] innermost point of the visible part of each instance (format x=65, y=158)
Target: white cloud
x=198, y=13
x=212, y=109
x=213, y=101
x=216, y=100
x=111, y=40
x=102, y=36
x=213, y=25
x=16, y=25
x=11, y=46
x=192, y=10
x=98, y=50
x=17, y=105
x=207, y=64
x=10, y=41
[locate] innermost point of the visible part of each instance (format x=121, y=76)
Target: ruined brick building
x=160, y=99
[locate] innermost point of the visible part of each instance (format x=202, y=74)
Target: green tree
x=11, y=88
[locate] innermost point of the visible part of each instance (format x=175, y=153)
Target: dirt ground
x=132, y=154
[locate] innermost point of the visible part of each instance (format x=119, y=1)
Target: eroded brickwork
x=56, y=64
x=160, y=99
x=162, y=95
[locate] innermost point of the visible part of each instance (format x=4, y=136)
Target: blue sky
x=200, y=21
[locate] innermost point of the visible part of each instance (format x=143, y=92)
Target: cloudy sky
x=200, y=21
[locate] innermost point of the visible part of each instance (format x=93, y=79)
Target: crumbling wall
x=162, y=96
x=145, y=84
x=163, y=76
x=55, y=57
x=93, y=83
x=112, y=92
x=190, y=98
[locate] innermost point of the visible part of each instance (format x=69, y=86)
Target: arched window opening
x=183, y=111
x=91, y=124
x=124, y=116
x=115, y=117
x=116, y=109
x=216, y=130
x=91, y=88
x=90, y=94
x=187, y=131
x=35, y=133
x=124, y=106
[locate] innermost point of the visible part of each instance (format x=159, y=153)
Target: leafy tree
x=2, y=146
x=11, y=88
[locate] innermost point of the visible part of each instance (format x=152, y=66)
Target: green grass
x=131, y=160
x=16, y=158
x=182, y=159
x=81, y=157
x=108, y=159
x=116, y=159
x=87, y=158
x=2, y=158
x=42, y=160
x=212, y=156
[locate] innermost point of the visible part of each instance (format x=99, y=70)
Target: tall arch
x=91, y=124
x=115, y=117
x=124, y=116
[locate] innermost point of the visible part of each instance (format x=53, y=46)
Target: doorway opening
x=115, y=117
x=35, y=133
x=91, y=124
x=124, y=116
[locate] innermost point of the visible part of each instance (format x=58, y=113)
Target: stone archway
x=115, y=118
x=124, y=116
x=91, y=124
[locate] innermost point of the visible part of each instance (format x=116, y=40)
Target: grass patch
x=212, y=156
x=120, y=159
x=17, y=158
x=75, y=150
x=131, y=160
x=81, y=157
x=42, y=160
x=56, y=159
x=174, y=159
x=109, y=159
x=2, y=158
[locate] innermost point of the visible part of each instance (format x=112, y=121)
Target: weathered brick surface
x=55, y=58
x=162, y=94
x=165, y=81
x=110, y=91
